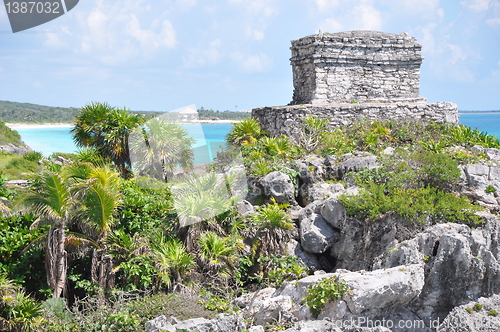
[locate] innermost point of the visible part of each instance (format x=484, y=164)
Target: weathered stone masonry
x=349, y=76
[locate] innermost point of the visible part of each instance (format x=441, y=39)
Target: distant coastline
x=64, y=125
x=477, y=112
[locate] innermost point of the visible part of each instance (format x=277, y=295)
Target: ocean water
x=209, y=137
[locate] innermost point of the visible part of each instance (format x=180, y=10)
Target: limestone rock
x=334, y=212
x=223, y=323
x=11, y=148
x=293, y=248
x=460, y=320
x=316, y=236
x=279, y=186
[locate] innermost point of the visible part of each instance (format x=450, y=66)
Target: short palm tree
x=217, y=253
x=245, y=132
x=159, y=147
x=172, y=260
x=273, y=228
x=106, y=128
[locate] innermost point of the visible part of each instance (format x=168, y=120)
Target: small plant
x=493, y=313
x=477, y=307
x=427, y=259
x=327, y=290
x=469, y=310
x=490, y=189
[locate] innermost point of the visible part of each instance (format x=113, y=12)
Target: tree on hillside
x=107, y=129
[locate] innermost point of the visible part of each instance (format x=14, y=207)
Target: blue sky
x=234, y=54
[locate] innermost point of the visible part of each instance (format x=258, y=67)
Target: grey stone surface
x=279, y=186
x=356, y=66
x=350, y=76
x=11, y=148
x=460, y=320
x=294, y=248
x=287, y=120
x=316, y=236
x=223, y=323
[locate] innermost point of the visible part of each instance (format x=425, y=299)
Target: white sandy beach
x=36, y=125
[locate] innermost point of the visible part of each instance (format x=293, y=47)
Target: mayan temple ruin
x=355, y=75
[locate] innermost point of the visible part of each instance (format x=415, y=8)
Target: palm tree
x=107, y=129
x=172, y=260
x=245, y=132
x=217, y=253
x=159, y=147
x=98, y=188
x=273, y=226
x=56, y=204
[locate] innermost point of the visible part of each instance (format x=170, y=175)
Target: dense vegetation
x=13, y=112
x=204, y=114
x=9, y=136
x=86, y=237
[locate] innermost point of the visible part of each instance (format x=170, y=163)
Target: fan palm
x=159, y=147
x=106, y=128
x=171, y=259
x=273, y=229
x=245, y=132
x=217, y=252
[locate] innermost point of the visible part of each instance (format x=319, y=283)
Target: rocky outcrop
x=223, y=323
x=475, y=316
x=389, y=289
x=17, y=149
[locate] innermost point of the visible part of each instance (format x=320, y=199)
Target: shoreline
x=68, y=125
x=38, y=125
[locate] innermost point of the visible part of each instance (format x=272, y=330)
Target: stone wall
x=356, y=66
x=287, y=119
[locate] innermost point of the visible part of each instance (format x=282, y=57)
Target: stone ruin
x=356, y=75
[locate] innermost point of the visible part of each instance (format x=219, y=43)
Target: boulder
x=316, y=236
x=266, y=307
x=245, y=208
x=318, y=191
x=293, y=248
x=353, y=163
x=334, y=212
x=279, y=186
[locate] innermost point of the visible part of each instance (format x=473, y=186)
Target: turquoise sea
x=58, y=139
x=210, y=138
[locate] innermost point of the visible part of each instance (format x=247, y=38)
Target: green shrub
x=411, y=204
x=477, y=307
x=327, y=290
x=33, y=156
x=469, y=310
x=493, y=313
x=490, y=190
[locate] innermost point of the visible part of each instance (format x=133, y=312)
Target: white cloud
x=118, y=32
x=330, y=25
x=324, y=5
x=203, y=56
x=457, y=54
x=255, y=34
x=368, y=18
x=493, y=22
x=476, y=5
x=253, y=63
